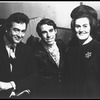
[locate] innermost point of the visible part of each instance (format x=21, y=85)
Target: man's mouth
x=49, y=40
x=17, y=38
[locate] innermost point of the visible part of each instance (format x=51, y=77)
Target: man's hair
x=17, y=17
x=45, y=21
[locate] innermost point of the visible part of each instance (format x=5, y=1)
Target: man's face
x=48, y=34
x=17, y=32
x=82, y=28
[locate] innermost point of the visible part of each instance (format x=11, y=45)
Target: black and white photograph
x=50, y=50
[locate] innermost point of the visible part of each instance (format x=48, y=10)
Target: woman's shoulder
x=96, y=43
x=96, y=46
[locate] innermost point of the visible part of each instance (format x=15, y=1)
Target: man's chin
x=50, y=43
x=16, y=42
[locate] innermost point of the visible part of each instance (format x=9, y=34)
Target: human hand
x=15, y=95
x=5, y=85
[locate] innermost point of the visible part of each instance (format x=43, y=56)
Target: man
x=49, y=54
x=17, y=70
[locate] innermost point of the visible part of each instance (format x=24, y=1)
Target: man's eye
x=23, y=31
x=85, y=26
x=18, y=30
x=15, y=29
x=51, y=30
x=43, y=32
x=77, y=26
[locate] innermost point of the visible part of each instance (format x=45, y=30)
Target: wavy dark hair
x=17, y=17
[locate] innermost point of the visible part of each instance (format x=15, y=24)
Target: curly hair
x=17, y=17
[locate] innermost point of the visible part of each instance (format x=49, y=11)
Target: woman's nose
x=81, y=29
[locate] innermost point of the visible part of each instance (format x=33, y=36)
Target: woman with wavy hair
x=82, y=61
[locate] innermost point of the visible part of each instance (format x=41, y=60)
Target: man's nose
x=20, y=34
x=48, y=34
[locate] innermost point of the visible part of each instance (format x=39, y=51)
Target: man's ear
x=6, y=31
x=56, y=31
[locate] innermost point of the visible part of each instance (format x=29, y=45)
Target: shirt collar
x=8, y=43
x=88, y=40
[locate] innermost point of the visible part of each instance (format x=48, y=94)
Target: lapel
x=19, y=53
x=20, y=50
x=4, y=59
x=50, y=59
x=20, y=62
x=61, y=56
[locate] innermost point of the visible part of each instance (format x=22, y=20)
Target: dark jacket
x=24, y=72
x=50, y=76
x=82, y=71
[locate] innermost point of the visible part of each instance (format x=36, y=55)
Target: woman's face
x=82, y=28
